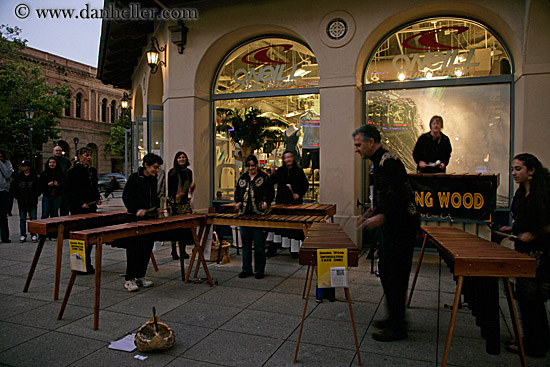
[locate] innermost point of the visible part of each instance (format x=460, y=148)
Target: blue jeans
x=23, y=219
x=258, y=235
x=50, y=206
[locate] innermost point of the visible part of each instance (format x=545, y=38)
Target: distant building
x=94, y=106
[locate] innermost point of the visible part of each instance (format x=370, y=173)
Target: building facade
x=93, y=107
x=324, y=68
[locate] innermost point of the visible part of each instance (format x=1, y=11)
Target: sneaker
x=34, y=238
x=145, y=283
x=22, y=238
x=259, y=275
x=131, y=285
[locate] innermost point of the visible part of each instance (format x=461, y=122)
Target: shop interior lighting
x=401, y=76
x=301, y=72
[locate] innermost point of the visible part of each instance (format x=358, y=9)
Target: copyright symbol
x=22, y=11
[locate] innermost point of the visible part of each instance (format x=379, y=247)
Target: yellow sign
x=332, y=268
x=78, y=255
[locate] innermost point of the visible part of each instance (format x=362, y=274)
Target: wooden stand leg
x=58, y=260
x=303, y=315
x=204, y=231
x=67, y=294
x=305, y=283
x=514, y=315
x=97, y=280
x=182, y=261
x=453, y=319
x=417, y=269
x=154, y=261
x=202, y=259
x=37, y=253
x=348, y=297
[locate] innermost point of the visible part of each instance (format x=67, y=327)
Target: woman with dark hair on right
x=180, y=186
x=531, y=214
x=51, y=186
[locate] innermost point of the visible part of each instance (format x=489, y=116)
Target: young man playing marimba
x=141, y=199
x=395, y=213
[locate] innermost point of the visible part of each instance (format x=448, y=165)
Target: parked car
x=104, y=178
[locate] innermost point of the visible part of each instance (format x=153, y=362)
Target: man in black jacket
x=27, y=191
x=141, y=199
x=395, y=213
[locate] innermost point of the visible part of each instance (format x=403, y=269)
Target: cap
x=26, y=163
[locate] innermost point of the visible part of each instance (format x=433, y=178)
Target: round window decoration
x=337, y=29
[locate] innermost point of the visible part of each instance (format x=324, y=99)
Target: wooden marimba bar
x=477, y=264
x=150, y=228
x=58, y=227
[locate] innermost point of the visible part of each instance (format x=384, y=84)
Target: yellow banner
x=332, y=268
x=78, y=255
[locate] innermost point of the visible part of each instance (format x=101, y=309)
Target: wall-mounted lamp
x=178, y=35
x=153, y=55
x=75, y=141
x=124, y=102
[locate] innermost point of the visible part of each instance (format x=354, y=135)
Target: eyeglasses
x=250, y=165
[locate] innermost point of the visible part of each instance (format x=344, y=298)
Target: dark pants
x=531, y=295
x=4, y=207
x=395, y=261
x=138, y=254
x=77, y=210
x=50, y=206
x=258, y=235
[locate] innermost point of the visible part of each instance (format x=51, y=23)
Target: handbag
x=177, y=208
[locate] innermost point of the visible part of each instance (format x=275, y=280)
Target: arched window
x=68, y=108
x=113, y=111
x=266, y=100
x=78, y=106
x=455, y=68
x=104, y=110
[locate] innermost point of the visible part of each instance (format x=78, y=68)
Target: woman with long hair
x=51, y=186
x=531, y=214
x=180, y=188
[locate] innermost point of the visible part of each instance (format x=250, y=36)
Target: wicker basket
x=154, y=335
x=216, y=248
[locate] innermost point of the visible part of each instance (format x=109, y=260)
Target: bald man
x=63, y=161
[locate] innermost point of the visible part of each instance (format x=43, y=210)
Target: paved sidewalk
x=239, y=322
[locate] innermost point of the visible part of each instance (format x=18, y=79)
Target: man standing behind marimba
x=141, y=199
x=395, y=213
x=253, y=195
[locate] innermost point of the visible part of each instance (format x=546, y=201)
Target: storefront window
x=279, y=111
x=437, y=49
x=268, y=64
x=427, y=69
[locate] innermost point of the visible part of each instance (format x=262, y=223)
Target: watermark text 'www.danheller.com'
x=134, y=11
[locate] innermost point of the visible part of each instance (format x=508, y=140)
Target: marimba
x=325, y=236
x=293, y=209
x=58, y=227
x=302, y=222
x=477, y=264
x=150, y=228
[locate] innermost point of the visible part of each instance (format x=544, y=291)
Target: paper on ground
x=125, y=344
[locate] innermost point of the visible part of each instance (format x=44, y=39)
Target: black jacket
x=81, y=187
x=253, y=193
x=173, y=182
x=393, y=195
x=140, y=192
x=430, y=150
x=294, y=176
x=48, y=176
x=27, y=190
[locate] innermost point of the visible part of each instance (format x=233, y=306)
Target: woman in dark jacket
x=531, y=214
x=180, y=187
x=27, y=191
x=292, y=185
x=432, y=151
x=253, y=195
x=51, y=186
